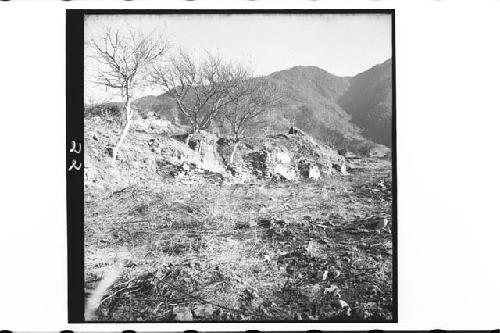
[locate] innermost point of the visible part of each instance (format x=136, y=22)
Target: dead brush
x=200, y=245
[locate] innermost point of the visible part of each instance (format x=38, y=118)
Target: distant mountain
x=313, y=81
x=311, y=102
x=311, y=96
x=369, y=102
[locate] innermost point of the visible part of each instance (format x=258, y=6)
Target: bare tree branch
x=251, y=99
x=201, y=89
x=124, y=59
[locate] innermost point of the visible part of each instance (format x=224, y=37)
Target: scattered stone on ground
x=283, y=233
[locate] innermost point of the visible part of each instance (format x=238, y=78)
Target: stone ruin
x=201, y=150
x=282, y=157
x=309, y=170
x=279, y=163
x=270, y=163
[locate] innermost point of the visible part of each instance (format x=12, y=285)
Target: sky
x=342, y=44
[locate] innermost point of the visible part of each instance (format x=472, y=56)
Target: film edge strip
x=309, y=331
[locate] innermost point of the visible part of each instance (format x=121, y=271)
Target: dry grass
x=258, y=251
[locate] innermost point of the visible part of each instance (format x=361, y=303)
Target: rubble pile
x=288, y=157
x=155, y=150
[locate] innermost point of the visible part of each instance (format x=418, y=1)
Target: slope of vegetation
x=369, y=101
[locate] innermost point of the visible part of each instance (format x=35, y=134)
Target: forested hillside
x=369, y=101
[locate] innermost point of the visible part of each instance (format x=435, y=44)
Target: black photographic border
x=75, y=132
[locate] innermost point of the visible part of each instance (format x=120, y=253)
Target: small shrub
x=108, y=111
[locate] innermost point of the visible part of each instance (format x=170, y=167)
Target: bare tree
x=201, y=89
x=251, y=99
x=124, y=58
x=292, y=113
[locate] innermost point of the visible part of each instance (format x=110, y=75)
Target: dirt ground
x=260, y=251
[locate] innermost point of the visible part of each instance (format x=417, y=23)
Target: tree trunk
x=194, y=130
x=231, y=158
x=125, y=130
x=188, y=137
